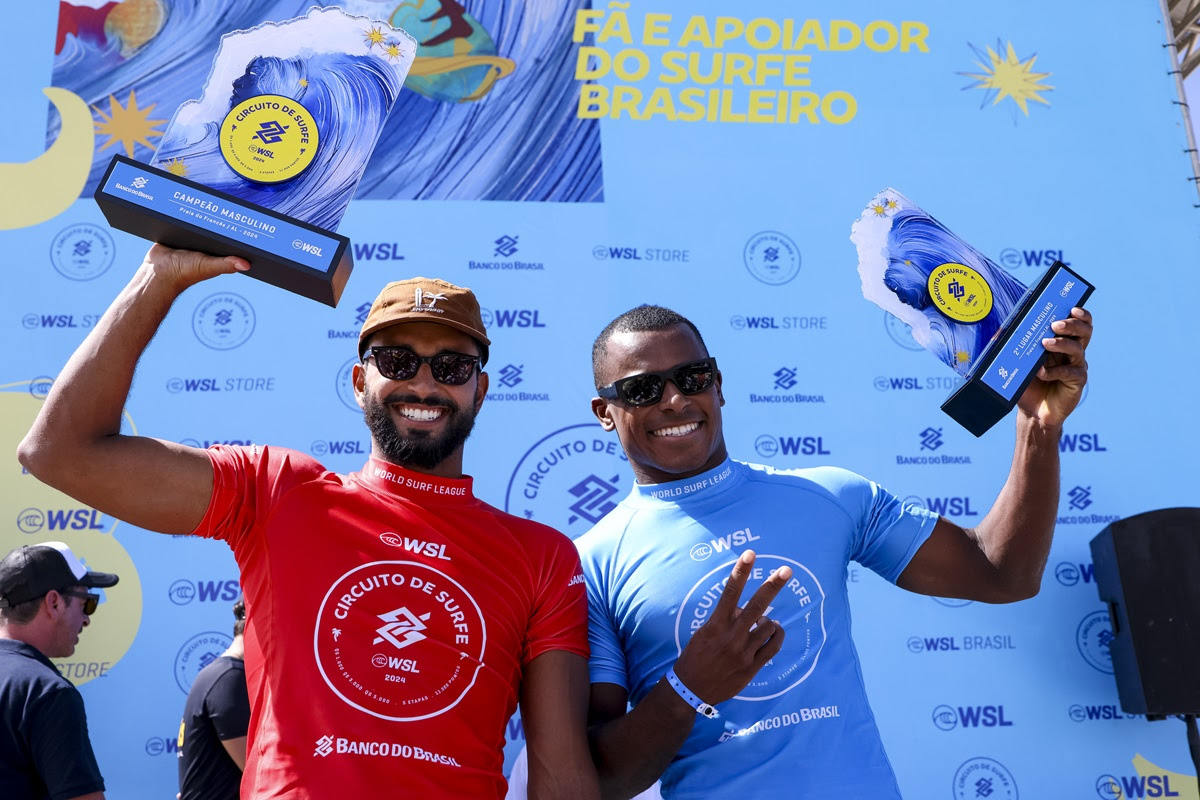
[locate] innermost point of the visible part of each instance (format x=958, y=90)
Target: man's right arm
x=75, y=444
x=631, y=750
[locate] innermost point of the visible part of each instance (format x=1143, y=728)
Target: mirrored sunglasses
x=647, y=388
x=400, y=364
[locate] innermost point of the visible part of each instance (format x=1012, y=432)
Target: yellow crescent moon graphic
x=41, y=189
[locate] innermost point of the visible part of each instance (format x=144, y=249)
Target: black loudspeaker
x=1147, y=569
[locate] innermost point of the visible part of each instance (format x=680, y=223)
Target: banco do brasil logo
x=772, y=257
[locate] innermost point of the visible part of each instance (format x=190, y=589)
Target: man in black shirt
x=212, y=735
x=45, y=752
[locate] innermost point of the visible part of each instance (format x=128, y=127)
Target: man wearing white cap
x=45, y=604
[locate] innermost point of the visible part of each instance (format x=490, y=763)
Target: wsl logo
x=569, y=479
x=1073, y=574
x=377, y=251
x=892, y=383
x=771, y=257
x=1017, y=259
x=946, y=506
x=1081, y=443
x=769, y=446
x=512, y=318
x=223, y=321
x=770, y=322
x=1127, y=787
x=1090, y=713
x=36, y=520
x=184, y=592
x=929, y=442
x=948, y=644
x=947, y=718
x=785, y=381
x=338, y=447
x=1094, y=638
x=82, y=252
x=984, y=777
x=602, y=252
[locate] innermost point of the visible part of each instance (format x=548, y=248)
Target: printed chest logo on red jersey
x=415, y=544
x=399, y=640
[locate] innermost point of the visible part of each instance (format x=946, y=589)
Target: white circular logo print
x=1094, y=638
x=799, y=607
x=569, y=479
x=223, y=321
x=399, y=640
x=900, y=332
x=984, y=777
x=344, y=385
x=772, y=257
x=196, y=654
x=82, y=252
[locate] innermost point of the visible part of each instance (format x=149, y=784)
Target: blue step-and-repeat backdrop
x=570, y=160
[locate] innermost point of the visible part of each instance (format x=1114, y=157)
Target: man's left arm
x=554, y=703
x=1002, y=559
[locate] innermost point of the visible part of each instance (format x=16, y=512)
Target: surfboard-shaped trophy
x=265, y=163
x=974, y=316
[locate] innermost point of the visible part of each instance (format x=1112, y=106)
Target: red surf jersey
x=390, y=615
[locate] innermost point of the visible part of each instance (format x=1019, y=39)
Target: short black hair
x=637, y=320
x=239, y=616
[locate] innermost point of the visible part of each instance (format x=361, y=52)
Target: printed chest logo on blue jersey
x=799, y=607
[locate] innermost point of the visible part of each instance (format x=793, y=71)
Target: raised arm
x=75, y=444
x=554, y=713
x=632, y=749
x=1002, y=559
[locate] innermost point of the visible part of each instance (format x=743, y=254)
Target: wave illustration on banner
x=487, y=114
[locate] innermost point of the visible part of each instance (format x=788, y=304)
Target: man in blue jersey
x=723, y=703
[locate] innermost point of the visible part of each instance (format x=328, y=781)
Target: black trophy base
x=282, y=251
x=1015, y=350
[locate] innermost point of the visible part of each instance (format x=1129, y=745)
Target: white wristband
x=690, y=697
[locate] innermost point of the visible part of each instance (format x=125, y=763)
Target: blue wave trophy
x=975, y=317
x=265, y=163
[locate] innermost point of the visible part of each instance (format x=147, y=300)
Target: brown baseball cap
x=426, y=300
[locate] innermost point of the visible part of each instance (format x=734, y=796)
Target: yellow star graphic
x=891, y=204
x=962, y=356
x=1008, y=76
x=176, y=167
x=127, y=124
x=304, y=82
x=392, y=50
x=878, y=209
x=374, y=37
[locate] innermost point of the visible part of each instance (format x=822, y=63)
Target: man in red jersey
x=396, y=620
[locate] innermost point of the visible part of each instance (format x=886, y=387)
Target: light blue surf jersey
x=655, y=568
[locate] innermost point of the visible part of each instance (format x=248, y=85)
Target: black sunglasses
x=400, y=364
x=647, y=388
x=90, y=601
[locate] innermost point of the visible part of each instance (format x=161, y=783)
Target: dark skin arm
x=554, y=711
x=76, y=445
x=1002, y=559
x=632, y=749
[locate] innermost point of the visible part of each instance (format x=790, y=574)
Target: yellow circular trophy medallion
x=269, y=138
x=960, y=292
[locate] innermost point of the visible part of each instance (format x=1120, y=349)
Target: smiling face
x=680, y=435
x=419, y=423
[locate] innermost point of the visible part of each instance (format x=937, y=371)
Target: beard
x=421, y=449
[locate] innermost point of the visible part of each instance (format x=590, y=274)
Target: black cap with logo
x=31, y=571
